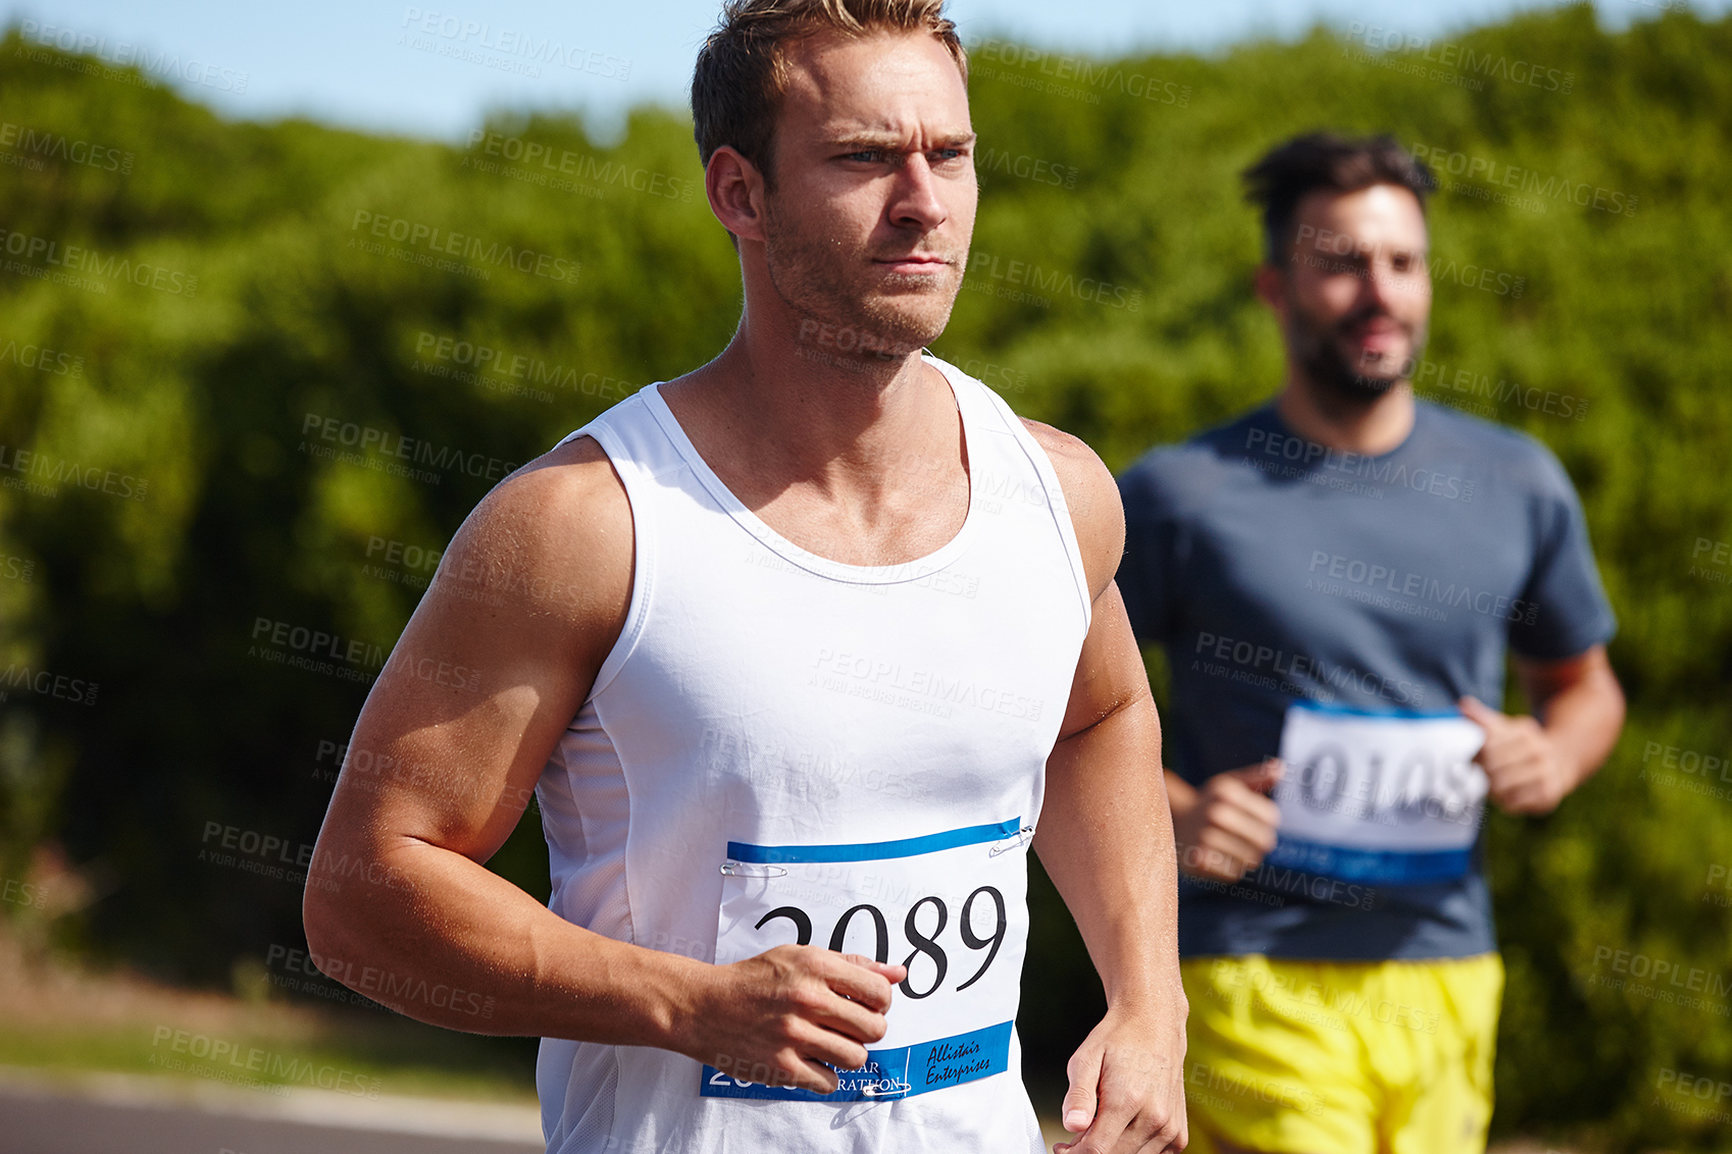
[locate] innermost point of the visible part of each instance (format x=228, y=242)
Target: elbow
x=325, y=916
x=318, y=912
x=1614, y=704
x=354, y=891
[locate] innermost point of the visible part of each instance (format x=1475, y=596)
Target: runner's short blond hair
x=742, y=74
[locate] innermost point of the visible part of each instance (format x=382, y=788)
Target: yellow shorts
x=1290, y=1057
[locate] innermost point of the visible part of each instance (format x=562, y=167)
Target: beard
x=1318, y=347
x=847, y=308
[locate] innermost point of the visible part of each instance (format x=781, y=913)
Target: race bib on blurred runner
x=950, y=906
x=1391, y=799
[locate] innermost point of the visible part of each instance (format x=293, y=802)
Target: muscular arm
x=1533, y=763
x=1106, y=839
x=495, y=662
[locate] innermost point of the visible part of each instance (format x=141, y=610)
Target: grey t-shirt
x=1273, y=570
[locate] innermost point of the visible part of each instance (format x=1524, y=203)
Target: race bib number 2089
x=951, y=906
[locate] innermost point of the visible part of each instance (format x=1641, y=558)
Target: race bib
x=950, y=906
x=1393, y=799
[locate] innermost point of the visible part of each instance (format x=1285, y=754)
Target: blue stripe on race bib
x=875, y=850
x=1381, y=714
x=1390, y=867
x=890, y=1074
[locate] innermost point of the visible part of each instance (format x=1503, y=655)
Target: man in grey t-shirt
x=1336, y=578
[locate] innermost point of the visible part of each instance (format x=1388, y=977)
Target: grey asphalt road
x=41, y=1120
x=135, y=1117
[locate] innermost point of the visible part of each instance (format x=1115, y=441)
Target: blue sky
x=433, y=68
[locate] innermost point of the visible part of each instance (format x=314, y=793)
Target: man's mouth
x=1381, y=334
x=916, y=262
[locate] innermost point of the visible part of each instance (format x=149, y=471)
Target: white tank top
x=781, y=748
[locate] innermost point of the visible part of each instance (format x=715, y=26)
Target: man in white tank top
x=801, y=652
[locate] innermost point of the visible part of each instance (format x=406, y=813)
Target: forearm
x=1583, y=721
x=1106, y=840
x=442, y=939
x=1181, y=795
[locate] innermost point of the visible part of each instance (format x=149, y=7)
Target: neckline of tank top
x=902, y=571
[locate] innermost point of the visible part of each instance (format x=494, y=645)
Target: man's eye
x=865, y=156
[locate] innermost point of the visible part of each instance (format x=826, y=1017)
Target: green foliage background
x=203, y=397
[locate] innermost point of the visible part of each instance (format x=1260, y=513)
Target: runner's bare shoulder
x=1092, y=495
x=550, y=548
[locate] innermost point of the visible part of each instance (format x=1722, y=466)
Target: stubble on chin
x=1342, y=376
x=866, y=345
x=848, y=309
x=858, y=325
x=913, y=311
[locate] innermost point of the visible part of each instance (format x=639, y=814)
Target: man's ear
x=1271, y=286
x=736, y=191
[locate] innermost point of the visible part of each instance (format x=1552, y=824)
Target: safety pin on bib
x=1015, y=841
x=740, y=869
x=885, y=1088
